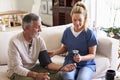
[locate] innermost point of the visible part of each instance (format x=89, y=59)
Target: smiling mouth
x=37, y=34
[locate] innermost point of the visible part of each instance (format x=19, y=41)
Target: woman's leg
x=69, y=75
x=86, y=73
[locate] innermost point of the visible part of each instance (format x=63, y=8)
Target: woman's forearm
x=61, y=50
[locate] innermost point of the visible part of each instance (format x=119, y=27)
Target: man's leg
x=38, y=68
x=53, y=75
x=18, y=77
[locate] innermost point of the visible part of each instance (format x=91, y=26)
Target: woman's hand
x=77, y=58
x=69, y=67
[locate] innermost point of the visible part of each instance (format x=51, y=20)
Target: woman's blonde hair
x=80, y=8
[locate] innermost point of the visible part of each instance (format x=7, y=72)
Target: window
x=107, y=13
x=103, y=13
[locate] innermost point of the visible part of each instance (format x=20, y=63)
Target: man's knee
x=18, y=77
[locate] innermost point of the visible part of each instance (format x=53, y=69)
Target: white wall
x=25, y=5
x=6, y=5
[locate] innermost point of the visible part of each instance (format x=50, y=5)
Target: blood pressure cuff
x=44, y=58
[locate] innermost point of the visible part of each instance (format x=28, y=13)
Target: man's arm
x=46, y=62
x=15, y=61
x=68, y=67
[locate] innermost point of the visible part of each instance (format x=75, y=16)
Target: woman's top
x=78, y=41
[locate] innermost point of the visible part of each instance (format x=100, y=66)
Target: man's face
x=35, y=28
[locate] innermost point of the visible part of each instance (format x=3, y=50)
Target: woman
x=79, y=37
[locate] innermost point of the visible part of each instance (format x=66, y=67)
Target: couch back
x=51, y=35
x=4, y=44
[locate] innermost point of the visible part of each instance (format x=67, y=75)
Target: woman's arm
x=91, y=55
x=61, y=50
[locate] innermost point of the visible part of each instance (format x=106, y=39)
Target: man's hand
x=69, y=67
x=42, y=76
x=51, y=53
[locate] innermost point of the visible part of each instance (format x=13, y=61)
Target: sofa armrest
x=108, y=47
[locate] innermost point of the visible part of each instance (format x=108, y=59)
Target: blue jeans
x=84, y=73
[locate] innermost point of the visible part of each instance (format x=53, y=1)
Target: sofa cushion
x=4, y=42
x=53, y=35
x=3, y=76
x=58, y=59
x=3, y=72
x=102, y=64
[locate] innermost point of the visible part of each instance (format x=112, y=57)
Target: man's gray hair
x=28, y=19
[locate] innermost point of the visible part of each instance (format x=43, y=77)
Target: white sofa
x=106, y=57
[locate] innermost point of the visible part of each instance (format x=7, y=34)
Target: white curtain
x=108, y=13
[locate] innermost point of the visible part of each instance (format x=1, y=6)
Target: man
x=24, y=50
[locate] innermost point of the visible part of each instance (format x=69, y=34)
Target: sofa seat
x=100, y=71
x=101, y=67
x=60, y=59
x=3, y=72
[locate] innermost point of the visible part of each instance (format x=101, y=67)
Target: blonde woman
x=79, y=38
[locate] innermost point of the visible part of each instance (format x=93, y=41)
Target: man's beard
x=35, y=35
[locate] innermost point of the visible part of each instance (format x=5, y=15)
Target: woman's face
x=78, y=21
